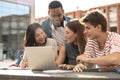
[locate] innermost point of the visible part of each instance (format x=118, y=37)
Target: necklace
x=101, y=45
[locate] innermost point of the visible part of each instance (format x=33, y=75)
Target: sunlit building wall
x=15, y=15
x=112, y=13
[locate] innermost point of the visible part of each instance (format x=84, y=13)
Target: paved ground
x=6, y=62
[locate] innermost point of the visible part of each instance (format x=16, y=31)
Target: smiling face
x=56, y=16
x=91, y=31
x=70, y=35
x=39, y=36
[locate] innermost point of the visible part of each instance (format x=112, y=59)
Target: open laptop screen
x=40, y=58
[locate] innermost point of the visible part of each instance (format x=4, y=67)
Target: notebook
x=40, y=58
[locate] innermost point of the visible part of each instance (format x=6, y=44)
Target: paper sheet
x=57, y=71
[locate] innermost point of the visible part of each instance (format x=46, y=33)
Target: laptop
x=40, y=58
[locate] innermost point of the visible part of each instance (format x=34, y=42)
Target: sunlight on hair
x=91, y=11
x=74, y=19
x=81, y=21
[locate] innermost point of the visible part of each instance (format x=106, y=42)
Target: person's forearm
x=111, y=59
x=59, y=62
x=99, y=61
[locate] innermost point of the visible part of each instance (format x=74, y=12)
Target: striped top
x=58, y=35
x=112, y=45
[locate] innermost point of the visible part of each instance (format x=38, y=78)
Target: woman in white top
x=35, y=36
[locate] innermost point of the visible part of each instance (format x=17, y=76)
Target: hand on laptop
x=23, y=64
x=79, y=67
x=66, y=66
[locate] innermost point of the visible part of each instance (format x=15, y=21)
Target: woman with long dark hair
x=35, y=36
